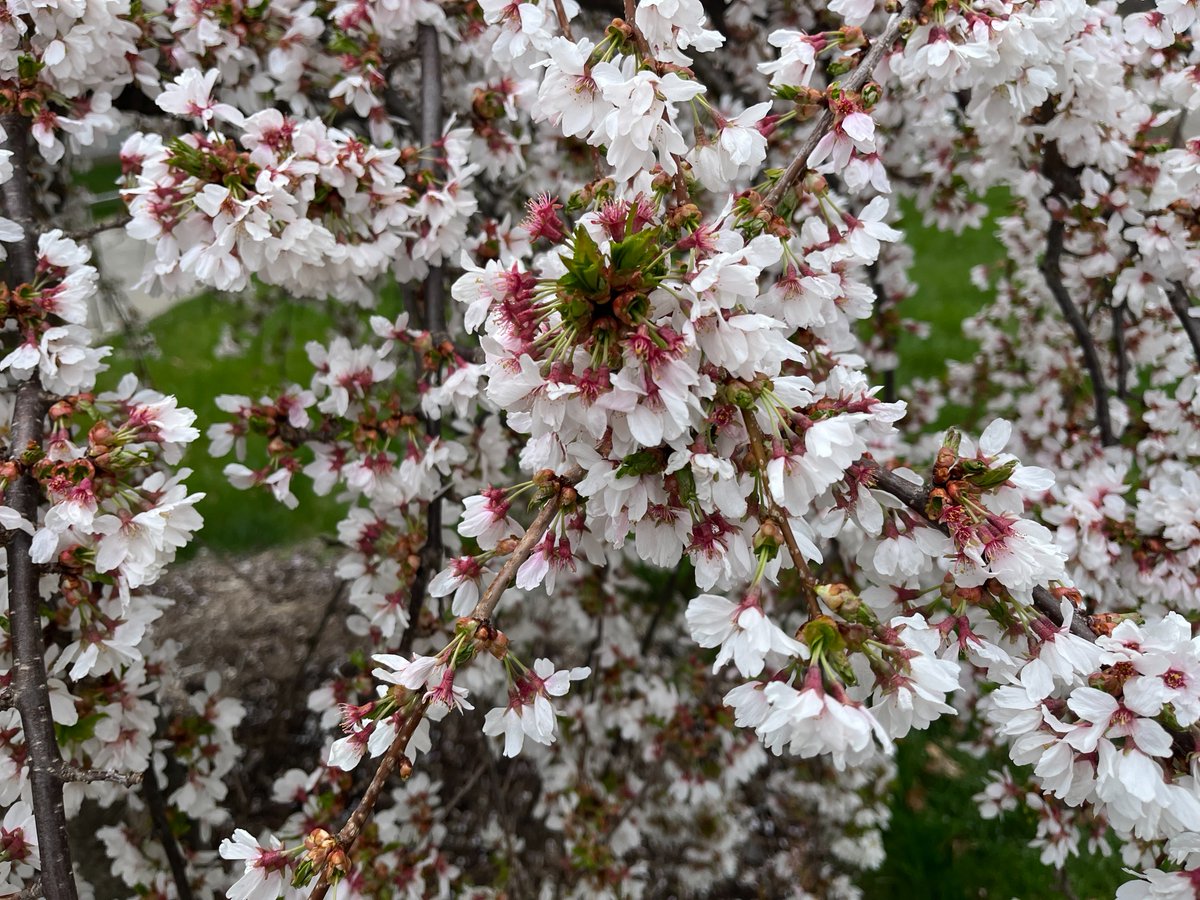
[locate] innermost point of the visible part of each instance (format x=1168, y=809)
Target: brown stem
x=887, y=336
x=807, y=580
x=852, y=83
x=349, y=833
x=483, y=611
x=1118, y=325
x=96, y=228
x=487, y=603
x=639, y=39
x=563, y=22
x=24, y=596
x=1052, y=272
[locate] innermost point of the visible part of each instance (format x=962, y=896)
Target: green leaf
x=637, y=251
x=81, y=731
x=643, y=462
x=993, y=477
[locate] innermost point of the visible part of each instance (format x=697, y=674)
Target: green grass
x=182, y=362
x=945, y=295
x=938, y=847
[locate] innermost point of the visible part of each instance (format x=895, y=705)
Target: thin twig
x=852, y=83
x=96, y=228
x=563, y=22
x=152, y=794
x=808, y=581
x=67, y=773
x=24, y=596
x=349, y=833
x=537, y=528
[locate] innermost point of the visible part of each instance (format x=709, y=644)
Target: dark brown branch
x=1118, y=324
x=435, y=322
x=96, y=228
x=152, y=794
x=808, y=581
x=853, y=82
x=525, y=546
x=25, y=622
x=1052, y=272
x=483, y=612
x=916, y=498
x=1182, y=305
x=886, y=336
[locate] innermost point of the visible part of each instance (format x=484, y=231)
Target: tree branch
x=487, y=603
x=30, y=690
x=1052, y=272
x=435, y=323
x=916, y=498
x=349, y=833
x=1182, y=305
x=96, y=228
x=152, y=794
x=853, y=82
x=808, y=581
x=67, y=773
x=1118, y=325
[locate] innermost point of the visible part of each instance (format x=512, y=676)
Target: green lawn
x=182, y=361
x=945, y=296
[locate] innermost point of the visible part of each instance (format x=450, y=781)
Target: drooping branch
x=431, y=133
x=30, y=690
x=156, y=804
x=1065, y=187
x=853, y=82
x=1121, y=351
x=1052, y=272
x=349, y=832
x=916, y=498
x=1181, y=304
x=881, y=316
